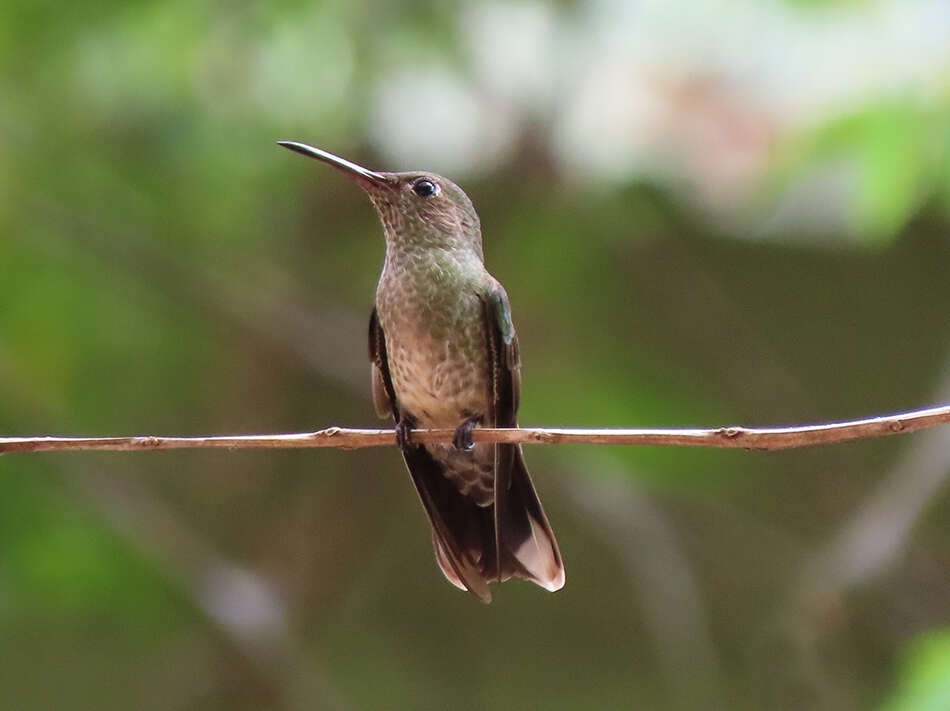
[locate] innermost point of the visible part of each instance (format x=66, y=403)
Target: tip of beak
x=294, y=146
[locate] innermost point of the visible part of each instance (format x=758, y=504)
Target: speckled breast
x=436, y=343
x=438, y=362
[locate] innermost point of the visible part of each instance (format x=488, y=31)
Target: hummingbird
x=444, y=354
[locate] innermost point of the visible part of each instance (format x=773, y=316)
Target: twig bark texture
x=765, y=439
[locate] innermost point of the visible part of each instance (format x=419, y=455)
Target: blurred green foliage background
x=704, y=213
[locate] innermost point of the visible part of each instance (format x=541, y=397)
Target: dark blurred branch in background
x=764, y=439
x=877, y=532
x=865, y=546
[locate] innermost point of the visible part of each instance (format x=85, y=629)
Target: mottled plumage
x=444, y=354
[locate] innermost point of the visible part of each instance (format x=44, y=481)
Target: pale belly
x=436, y=384
x=438, y=362
x=438, y=358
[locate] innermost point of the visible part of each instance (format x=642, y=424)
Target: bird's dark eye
x=425, y=188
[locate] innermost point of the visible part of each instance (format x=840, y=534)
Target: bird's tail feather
x=464, y=534
x=527, y=545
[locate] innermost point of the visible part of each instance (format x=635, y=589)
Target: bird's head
x=417, y=209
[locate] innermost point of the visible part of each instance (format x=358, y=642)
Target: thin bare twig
x=765, y=439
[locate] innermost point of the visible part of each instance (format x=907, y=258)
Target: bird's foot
x=404, y=431
x=462, y=440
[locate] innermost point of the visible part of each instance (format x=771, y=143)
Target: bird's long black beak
x=352, y=169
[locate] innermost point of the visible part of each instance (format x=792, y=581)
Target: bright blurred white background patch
x=668, y=91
